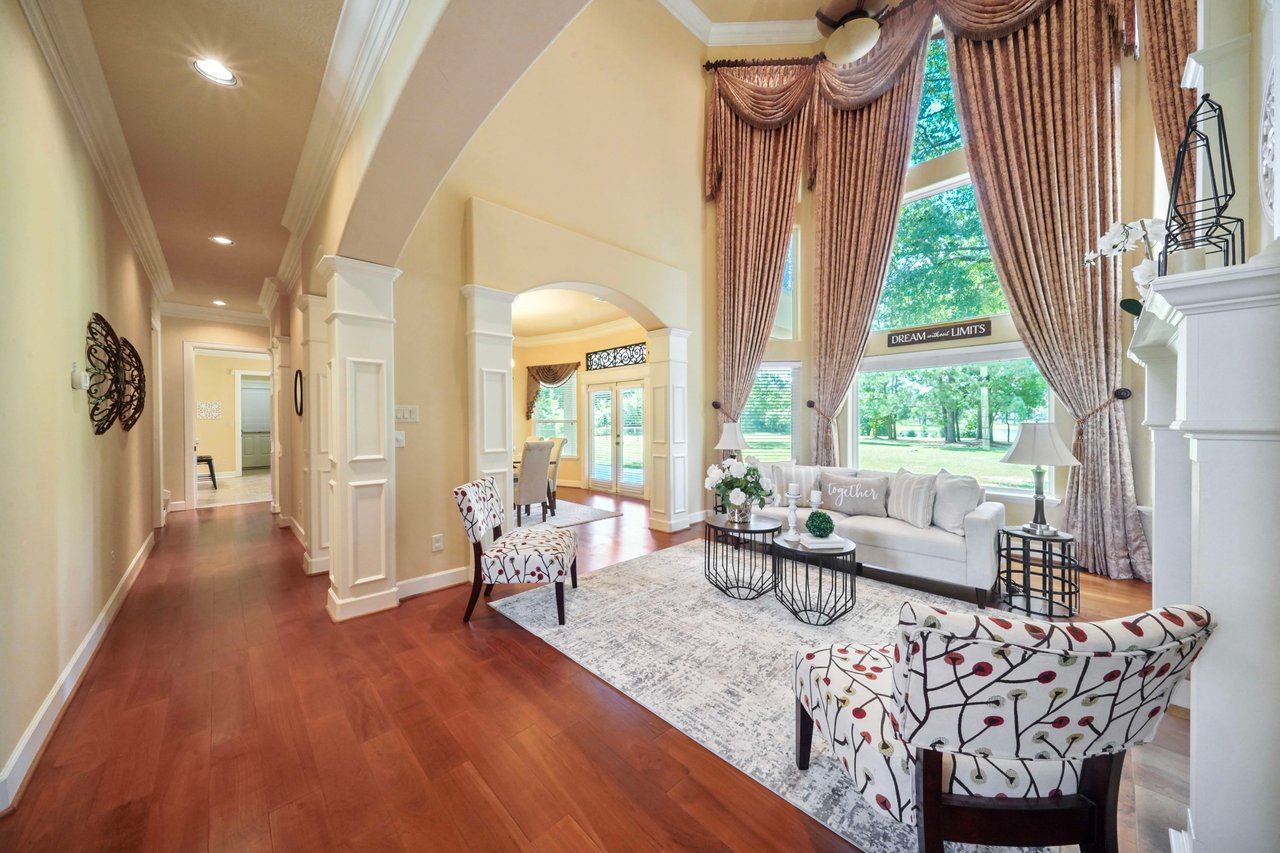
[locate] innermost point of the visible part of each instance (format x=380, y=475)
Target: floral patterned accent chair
x=989, y=729
x=525, y=555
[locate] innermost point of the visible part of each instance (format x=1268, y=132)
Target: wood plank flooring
x=226, y=712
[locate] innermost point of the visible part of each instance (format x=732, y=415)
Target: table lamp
x=731, y=439
x=1038, y=444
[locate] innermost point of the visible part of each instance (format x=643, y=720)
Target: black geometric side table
x=1038, y=573
x=816, y=586
x=736, y=557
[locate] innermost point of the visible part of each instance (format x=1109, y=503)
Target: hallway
x=225, y=711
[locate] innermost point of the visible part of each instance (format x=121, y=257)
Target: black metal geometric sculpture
x=102, y=358
x=117, y=379
x=1202, y=223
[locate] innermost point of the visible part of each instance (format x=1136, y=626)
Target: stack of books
x=826, y=543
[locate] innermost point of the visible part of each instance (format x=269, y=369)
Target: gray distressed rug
x=720, y=670
x=570, y=514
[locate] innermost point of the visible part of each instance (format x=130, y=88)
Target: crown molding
x=740, y=32
x=62, y=31
x=212, y=315
x=268, y=296
x=623, y=324
x=360, y=44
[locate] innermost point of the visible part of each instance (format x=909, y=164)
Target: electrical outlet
x=437, y=542
x=407, y=414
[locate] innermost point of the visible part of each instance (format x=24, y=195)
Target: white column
x=315, y=432
x=669, y=420
x=1228, y=405
x=281, y=412
x=490, y=387
x=362, y=470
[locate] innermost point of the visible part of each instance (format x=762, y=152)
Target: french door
x=616, y=451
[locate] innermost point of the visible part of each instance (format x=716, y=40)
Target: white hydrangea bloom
x=737, y=469
x=737, y=496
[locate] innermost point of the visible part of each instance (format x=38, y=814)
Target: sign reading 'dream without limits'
x=946, y=332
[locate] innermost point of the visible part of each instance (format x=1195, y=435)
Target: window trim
x=950, y=357
x=575, y=422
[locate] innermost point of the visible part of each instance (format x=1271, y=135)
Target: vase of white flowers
x=739, y=484
x=1146, y=234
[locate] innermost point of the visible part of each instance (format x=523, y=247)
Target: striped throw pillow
x=911, y=498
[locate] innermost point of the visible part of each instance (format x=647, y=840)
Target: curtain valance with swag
x=1041, y=137
x=549, y=375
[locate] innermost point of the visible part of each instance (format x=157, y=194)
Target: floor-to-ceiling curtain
x=1168, y=34
x=758, y=126
x=1038, y=106
x=865, y=118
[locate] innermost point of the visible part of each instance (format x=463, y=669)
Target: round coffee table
x=737, y=556
x=817, y=586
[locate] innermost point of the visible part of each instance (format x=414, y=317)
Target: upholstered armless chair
x=988, y=729
x=535, y=468
x=527, y=555
x=554, y=475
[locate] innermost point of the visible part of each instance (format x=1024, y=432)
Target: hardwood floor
x=225, y=711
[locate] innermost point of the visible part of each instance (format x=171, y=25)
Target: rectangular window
x=766, y=419
x=555, y=414
x=784, y=322
x=960, y=417
x=941, y=268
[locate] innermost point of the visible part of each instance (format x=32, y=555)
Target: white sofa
x=899, y=547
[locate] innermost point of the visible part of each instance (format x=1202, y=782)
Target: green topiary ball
x=820, y=524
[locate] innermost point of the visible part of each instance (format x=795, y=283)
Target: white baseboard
x=282, y=520
x=668, y=527
x=342, y=609
x=432, y=582
x=177, y=506
x=298, y=531
x=700, y=515
x=315, y=565
x=33, y=739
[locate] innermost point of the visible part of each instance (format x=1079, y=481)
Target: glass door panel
x=602, y=438
x=631, y=442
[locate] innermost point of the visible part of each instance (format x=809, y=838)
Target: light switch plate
x=407, y=414
x=399, y=438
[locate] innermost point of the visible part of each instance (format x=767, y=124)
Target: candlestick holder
x=792, y=534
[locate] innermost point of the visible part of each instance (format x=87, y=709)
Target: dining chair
x=532, y=487
x=559, y=442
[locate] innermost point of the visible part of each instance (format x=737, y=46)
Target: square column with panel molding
x=669, y=379
x=489, y=387
x=361, y=410
x=315, y=433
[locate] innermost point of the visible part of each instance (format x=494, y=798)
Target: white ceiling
x=552, y=312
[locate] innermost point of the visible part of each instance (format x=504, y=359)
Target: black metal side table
x=737, y=556
x=1038, y=573
x=817, y=586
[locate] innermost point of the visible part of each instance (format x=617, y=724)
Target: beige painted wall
x=175, y=332
x=216, y=383
x=75, y=508
x=602, y=136
x=560, y=353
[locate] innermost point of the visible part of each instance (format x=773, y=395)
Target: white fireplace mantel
x=1210, y=344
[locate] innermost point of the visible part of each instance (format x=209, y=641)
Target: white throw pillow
x=807, y=476
x=911, y=498
x=854, y=495
x=957, y=496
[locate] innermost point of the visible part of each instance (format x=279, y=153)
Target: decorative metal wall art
x=1201, y=222
x=102, y=359
x=117, y=378
x=133, y=385
x=617, y=357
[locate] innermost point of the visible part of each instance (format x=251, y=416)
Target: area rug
x=720, y=670
x=570, y=514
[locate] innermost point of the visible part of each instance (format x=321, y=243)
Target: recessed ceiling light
x=222, y=241
x=214, y=70
x=219, y=303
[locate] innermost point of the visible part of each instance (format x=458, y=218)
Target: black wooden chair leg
x=980, y=597
x=475, y=596
x=929, y=800
x=1100, y=782
x=804, y=736
x=573, y=572
x=560, y=600
x=544, y=512
x=488, y=590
